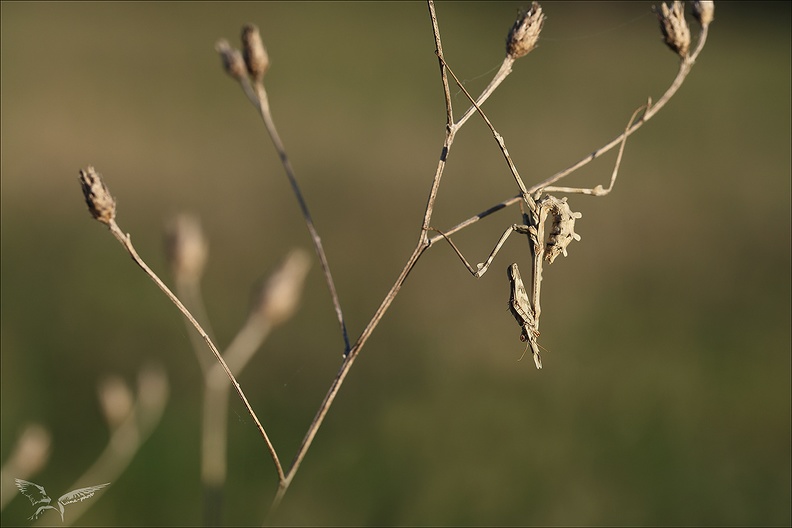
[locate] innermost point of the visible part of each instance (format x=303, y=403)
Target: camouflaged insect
x=562, y=232
x=520, y=308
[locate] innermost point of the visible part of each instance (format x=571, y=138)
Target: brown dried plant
x=249, y=66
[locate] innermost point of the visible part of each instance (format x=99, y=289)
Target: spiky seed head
x=233, y=63
x=256, y=58
x=524, y=33
x=704, y=12
x=676, y=32
x=100, y=203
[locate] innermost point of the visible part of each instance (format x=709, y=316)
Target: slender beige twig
x=684, y=69
x=28, y=456
x=126, y=241
x=420, y=247
x=277, y=302
x=250, y=71
x=102, y=206
x=130, y=426
x=424, y=242
x=266, y=115
x=256, y=63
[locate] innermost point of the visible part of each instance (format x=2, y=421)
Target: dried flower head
x=676, y=32
x=101, y=205
x=30, y=453
x=280, y=296
x=704, y=12
x=525, y=32
x=186, y=247
x=256, y=58
x=116, y=399
x=233, y=63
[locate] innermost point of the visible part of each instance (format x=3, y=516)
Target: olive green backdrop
x=665, y=397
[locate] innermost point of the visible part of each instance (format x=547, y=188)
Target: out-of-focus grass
x=666, y=393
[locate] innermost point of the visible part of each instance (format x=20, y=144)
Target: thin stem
x=125, y=240
x=342, y=373
x=262, y=103
x=450, y=128
x=441, y=62
x=423, y=244
x=420, y=247
x=684, y=70
x=503, y=72
x=498, y=138
x=190, y=291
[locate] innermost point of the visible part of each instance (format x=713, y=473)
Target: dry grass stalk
x=249, y=67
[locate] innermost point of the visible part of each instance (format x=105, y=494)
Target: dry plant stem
x=125, y=241
x=262, y=103
x=684, y=69
x=421, y=246
x=344, y=370
x=424, y=242
x=28, y=456
x=190, y=291
x=216, y=392
x=450, y=128
x=125, y=440
x=496, y=135
x=500, y=76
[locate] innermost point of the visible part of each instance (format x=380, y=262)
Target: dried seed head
x=186, y=247
x=233, y=63
x=101, y=205
x=525, y=32
x=256, y=58
x=704, y=12
x=279, y=297
x=116, y=399
x=676, y=32
x=30, y=453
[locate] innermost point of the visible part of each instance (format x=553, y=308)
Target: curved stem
x=343, y=371
x=262, y=102
x=684, y=69
x=125, y=240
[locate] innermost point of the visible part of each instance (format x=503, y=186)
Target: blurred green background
x=665, y=397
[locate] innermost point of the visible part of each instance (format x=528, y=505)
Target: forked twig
x=256, y=63
x=685, y=66
x=103, y=208
x=249, y=68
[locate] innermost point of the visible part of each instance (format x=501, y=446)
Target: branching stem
x=126, y=241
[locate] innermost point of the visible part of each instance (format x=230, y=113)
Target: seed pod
x=674, y=27
x=256, y=58
x=100, y=203
x=524, y=33
x=704, y=12
x=233, y=63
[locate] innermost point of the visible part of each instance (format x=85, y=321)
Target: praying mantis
x=544, y=248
